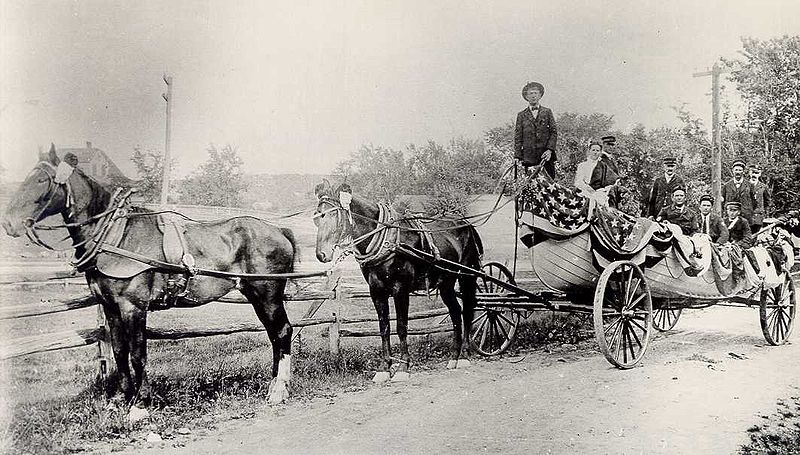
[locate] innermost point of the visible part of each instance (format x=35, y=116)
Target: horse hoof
x=464, y=363
x=452, y=364
x=401, y=376
x=278, y=394
x=137, y=414
x=381, y=377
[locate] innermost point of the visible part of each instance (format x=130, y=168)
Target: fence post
x=338, y=297
x=105, y=353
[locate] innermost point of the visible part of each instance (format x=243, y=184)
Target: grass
x=779, y=433
x=200, y=382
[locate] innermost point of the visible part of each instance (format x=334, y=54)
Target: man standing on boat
x=535, y=132
x=738, y=189
x=760, y=197
x=663, y=186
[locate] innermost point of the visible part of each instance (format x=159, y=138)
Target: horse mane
x=99, y=197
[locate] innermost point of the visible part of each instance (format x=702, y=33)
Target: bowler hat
x=71, y=159
x=529, y=85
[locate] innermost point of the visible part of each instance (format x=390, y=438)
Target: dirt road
x=698, y=391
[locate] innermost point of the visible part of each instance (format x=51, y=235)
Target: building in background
x=95, y=163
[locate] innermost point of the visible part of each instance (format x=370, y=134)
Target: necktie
x=705, y=225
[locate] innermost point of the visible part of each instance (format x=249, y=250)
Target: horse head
x=41, y=194
x=331, y=218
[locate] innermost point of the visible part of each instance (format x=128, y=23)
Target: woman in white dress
x=596, y=185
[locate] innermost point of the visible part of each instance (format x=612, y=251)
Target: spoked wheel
x=666, y=316
x=623, y=314
x=778, y=306
x=493, y=327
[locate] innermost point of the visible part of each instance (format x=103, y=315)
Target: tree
x=218, y=181
x=376, y=172
x=767, y=75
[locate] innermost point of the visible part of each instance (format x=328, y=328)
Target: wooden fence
x=331, y=289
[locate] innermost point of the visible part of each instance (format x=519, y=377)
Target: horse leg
x=448, y=293
x=380, y=299
x=267, y=301
x=401, y=308
x=134, y=321
x=124, y=384
x=468, y=286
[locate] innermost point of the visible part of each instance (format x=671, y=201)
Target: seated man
x=709, y=222
x=738, y=227
x=678, y=213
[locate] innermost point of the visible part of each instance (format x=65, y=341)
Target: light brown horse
x=365, y=227
x=242, y=245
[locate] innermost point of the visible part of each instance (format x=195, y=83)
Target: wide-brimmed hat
x=529, y=85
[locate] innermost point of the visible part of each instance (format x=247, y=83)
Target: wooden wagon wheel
x=777, y=309
x=666, y=315
x=493, y=327
x=623, y=313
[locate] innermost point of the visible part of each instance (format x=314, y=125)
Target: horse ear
x=322, y=188
x=51, y=155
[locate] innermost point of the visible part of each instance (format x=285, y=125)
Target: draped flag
x=558, y=211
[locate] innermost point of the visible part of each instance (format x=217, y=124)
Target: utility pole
x=166, y=167
x=716, y=151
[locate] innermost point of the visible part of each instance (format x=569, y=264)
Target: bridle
x=378, y=249
x=114, y=210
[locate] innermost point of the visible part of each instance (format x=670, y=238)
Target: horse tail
x=476, y=240
x=290, y=237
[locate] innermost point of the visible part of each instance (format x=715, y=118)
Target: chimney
x=88, y=145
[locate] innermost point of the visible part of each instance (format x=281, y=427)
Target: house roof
x=86, y=154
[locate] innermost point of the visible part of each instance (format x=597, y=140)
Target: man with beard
x=679, y=213
x=738, y=189
x=709, y=222
x=663, y=187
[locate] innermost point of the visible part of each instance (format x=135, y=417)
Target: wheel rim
x=493, y=328
x=623, y=314
x=666, y=317
x=777, y=310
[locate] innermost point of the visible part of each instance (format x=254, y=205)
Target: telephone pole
x=716, y=151
x=166, y=167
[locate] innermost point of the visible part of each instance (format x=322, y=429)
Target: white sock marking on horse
x=279, y=390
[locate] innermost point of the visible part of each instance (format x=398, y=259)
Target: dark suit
x=740, y=232
x=533, y=136
x=683, y=217
x=606, y=173
x=762, y=203
x=742, y=194
x=716, y=227
x=661, y=193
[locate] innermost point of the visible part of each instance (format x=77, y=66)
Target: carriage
x=630, y=291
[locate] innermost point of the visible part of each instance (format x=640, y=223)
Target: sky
x=298, y=86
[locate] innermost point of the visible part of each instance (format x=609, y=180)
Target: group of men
x=745, y=201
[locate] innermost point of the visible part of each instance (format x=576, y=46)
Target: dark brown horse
x=347, y=221
x=127, y=289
